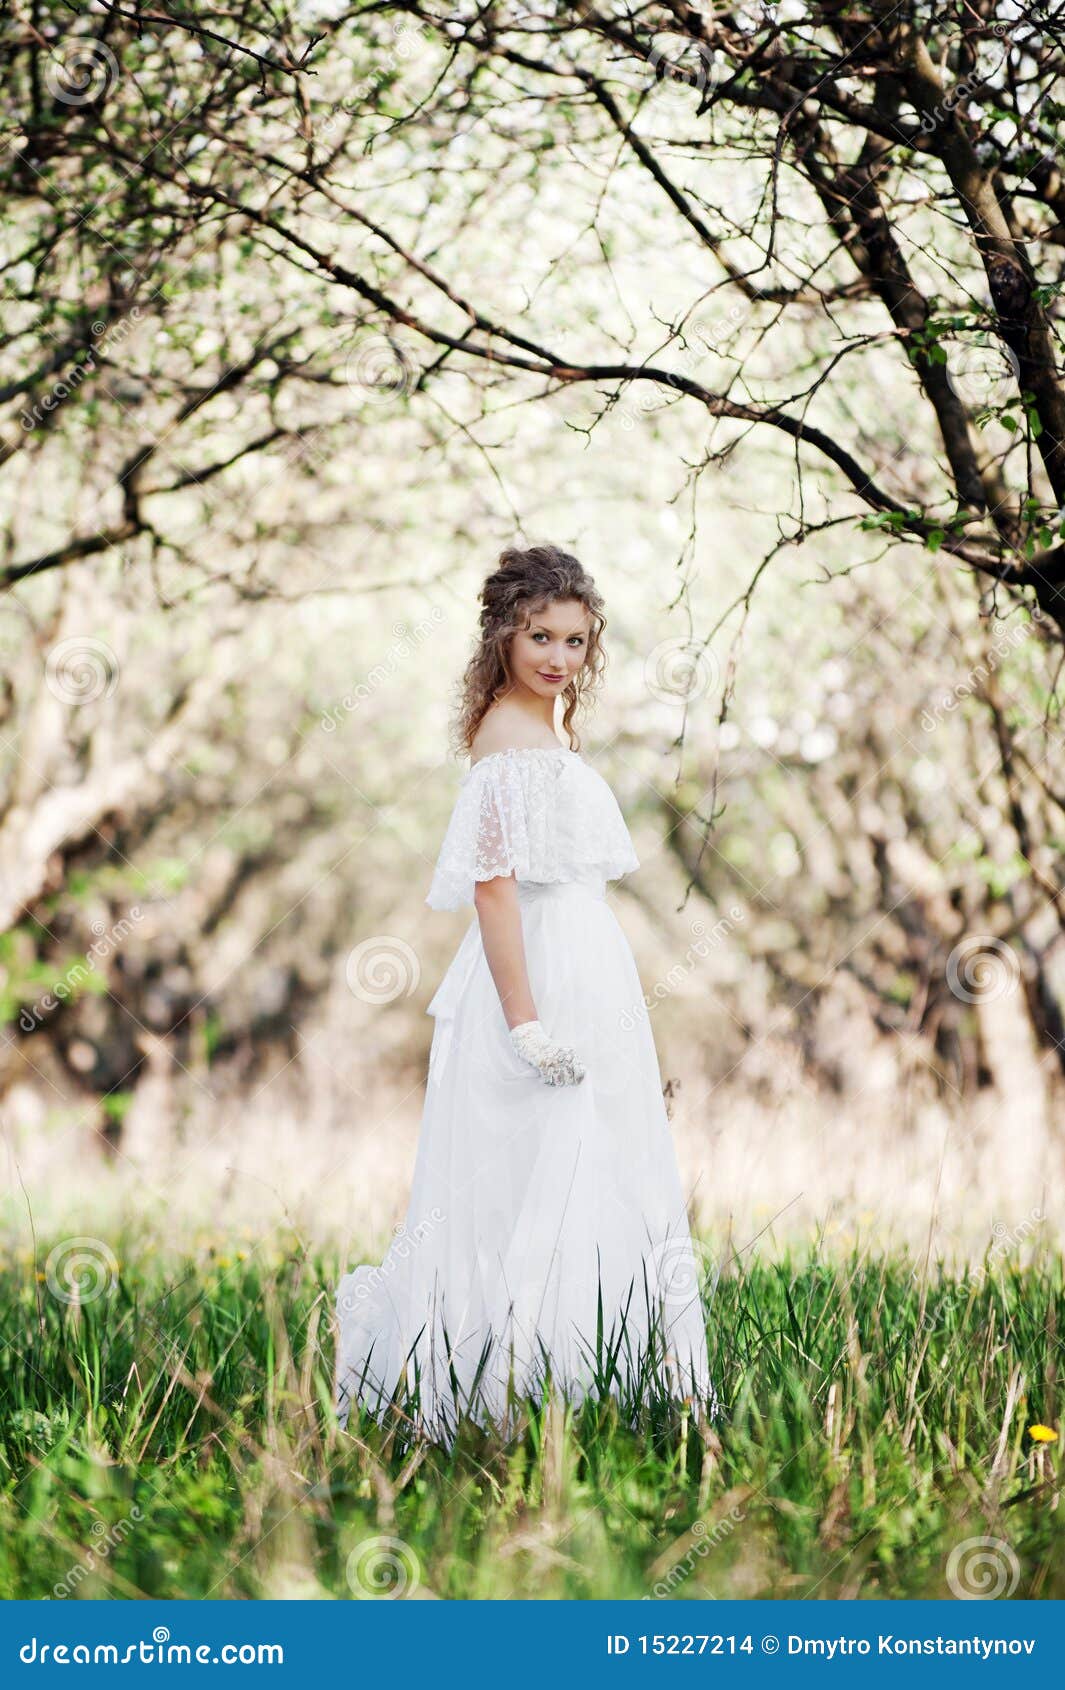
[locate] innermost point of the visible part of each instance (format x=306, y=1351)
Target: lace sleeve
x=487, y=835
x=535, y=812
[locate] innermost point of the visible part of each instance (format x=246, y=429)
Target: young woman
x=546, y=1241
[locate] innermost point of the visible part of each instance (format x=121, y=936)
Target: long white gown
x=546, y=1229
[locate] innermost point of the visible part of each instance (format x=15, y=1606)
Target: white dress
x=546, y=1230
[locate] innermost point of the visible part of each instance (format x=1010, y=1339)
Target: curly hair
x=525, y=581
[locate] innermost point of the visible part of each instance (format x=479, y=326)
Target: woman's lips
x=544, y=677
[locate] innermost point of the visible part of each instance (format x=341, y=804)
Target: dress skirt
x=546, y=1236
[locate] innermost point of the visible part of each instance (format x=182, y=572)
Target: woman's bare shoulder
x=505, y=729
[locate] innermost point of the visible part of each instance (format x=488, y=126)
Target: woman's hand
x=556, y=1064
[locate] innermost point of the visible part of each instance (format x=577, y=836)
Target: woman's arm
x=499, y=914
x=498, y=911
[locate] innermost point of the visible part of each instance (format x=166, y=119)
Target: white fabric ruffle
x=540, y=813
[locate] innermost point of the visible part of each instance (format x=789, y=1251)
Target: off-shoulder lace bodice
x=541, y=813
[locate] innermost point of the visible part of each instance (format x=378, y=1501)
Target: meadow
x=890, y=1430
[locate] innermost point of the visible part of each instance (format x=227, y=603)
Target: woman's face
x=546, y=656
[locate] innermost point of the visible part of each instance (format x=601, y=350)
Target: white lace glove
x=558, y=1065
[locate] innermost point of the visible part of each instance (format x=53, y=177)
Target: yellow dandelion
x=1043, y=1434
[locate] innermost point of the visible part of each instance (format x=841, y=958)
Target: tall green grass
x=174, y=1435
